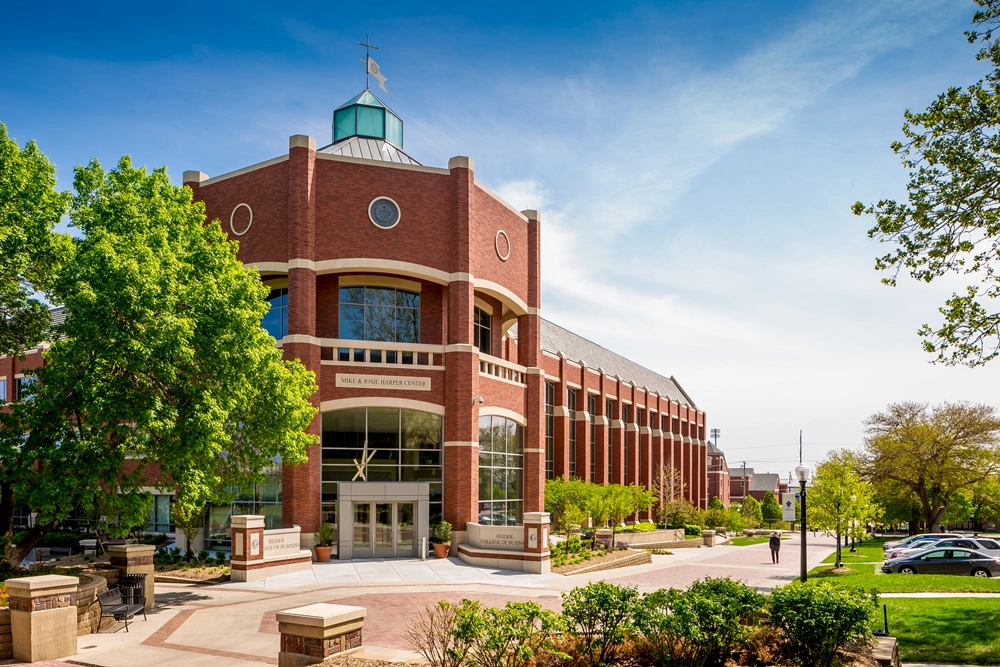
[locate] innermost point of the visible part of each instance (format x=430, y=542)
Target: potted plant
x=441, y=539
x=324, y=542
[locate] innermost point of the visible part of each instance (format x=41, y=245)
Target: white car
x=903, y=543
x=981, y=544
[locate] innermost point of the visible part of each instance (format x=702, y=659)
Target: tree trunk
x=30, y=541
x=839, y=562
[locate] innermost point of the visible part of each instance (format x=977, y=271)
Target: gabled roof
x=713, y=450
x=556, y=339
x=765, y=481
x=368, y=149
x=741, y=472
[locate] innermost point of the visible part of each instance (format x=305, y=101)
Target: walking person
x=775, y=544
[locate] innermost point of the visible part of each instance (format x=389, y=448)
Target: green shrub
x=692, y=530
x=55, y=538
x=441, y=532
x=820, y=617
x=154, y=538
x=600, y=616
x=666, y=628
x=722, y=610
x=203, y=556
x=445, y=634
x=512, y=635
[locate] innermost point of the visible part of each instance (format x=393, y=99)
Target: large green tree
x=934, y=452
x=160, y=368
x=30, y=249
x=770, y=508
x=950, y=223
x=840, y=499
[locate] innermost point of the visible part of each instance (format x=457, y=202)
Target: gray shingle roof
x=713, y=450
x=765, y=481
x=741, y=472
x=555, y=339
x=368, y=149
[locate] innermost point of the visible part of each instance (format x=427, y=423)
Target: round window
x=383, y=212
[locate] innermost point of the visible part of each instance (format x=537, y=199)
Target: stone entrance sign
x=259, y=553
x=496, y=537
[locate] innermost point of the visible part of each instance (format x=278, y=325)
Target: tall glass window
x=159, y=515
x=501, y=461
x=402, y=446
x=591, y=410
x=276, y=319
x=482, y=330
x=609, y=411
x=625, y=419
x=379, y=314
x=550, y=430
x=571, y=405
x=26, y=388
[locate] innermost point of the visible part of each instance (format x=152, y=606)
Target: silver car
x=903, y=543
x=981, y=544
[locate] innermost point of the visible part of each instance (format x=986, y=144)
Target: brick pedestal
x=136, y=559
x=315, y=632
x=43, y=617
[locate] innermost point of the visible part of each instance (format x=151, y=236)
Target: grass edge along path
x=864, y=575
x=750, y=541
x=945, y=631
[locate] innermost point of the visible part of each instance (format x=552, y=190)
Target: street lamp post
x=802, y=472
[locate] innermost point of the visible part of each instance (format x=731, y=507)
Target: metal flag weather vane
x=371, y=67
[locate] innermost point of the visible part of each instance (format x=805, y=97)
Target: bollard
x=135, y=559
x=43, y=617
x=311, y=634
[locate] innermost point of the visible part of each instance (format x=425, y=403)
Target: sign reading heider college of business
x=403, y=382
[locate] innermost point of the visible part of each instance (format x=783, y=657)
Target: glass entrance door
x=362, y=530
x=383, y=530
x=404, y=529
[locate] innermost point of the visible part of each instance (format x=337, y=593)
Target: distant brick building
x=718, y=475
x=414, y=294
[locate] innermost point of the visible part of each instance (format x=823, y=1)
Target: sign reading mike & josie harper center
x=398, y=382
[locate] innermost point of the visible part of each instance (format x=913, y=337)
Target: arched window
x=482, y=330
x=379, y=314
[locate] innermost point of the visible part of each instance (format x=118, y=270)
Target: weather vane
x=371, y=67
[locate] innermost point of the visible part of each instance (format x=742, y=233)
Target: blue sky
x=694, y=162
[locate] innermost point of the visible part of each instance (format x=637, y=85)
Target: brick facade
x=311, y=224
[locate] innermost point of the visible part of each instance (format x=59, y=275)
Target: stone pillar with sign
x=536, y=542
x=248, y=544
x=259, y=553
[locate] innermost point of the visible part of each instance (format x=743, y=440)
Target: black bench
x=122, y=609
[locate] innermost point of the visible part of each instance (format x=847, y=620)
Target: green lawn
x=864, y=575
x=949, y=631
x=748, y=541
x=869, y=552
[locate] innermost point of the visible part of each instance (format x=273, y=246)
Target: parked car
x=912, y=547
x=981, y=544
x=945, y=561
x=913, y=538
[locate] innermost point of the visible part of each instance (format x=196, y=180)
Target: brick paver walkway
x=233, y=625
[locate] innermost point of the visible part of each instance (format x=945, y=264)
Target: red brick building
x=414, y=294
x=718, y=475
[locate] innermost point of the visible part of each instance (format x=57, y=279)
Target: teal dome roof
x=366, y=116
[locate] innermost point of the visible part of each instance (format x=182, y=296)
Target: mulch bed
x=606, y=559
x=212, y=574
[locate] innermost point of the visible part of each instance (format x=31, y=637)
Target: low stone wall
x=645, y=540
x=88, y=609
x=6, y=641
x=680, y=544
x=640, y=558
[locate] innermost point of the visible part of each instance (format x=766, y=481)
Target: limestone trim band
x=383, y=402
x=462, y=443
x=496, y=411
